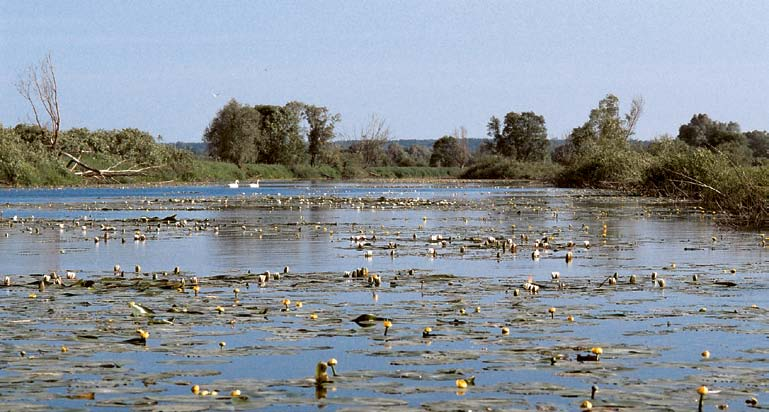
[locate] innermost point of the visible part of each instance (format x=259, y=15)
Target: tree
x=758, y=141
x=603, y=124
x=461, y=135
x=321, y=129
x=604, y=127
x=38, y=87
x=419, y=154
x=632, y=117
x=281, y=134
x=448, y=152
x=702, y=131
x=397, y=156
x=523, y=136
x=371, y=140
x=233, y=134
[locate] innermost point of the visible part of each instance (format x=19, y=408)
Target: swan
x=254, y=185
x=234, y=185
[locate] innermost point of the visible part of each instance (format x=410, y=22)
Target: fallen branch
x=89, y=171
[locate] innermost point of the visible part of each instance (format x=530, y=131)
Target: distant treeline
x=473, y=144
x=709, y=160
x=197, y=148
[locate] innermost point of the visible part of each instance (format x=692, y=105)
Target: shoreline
x=527, y=182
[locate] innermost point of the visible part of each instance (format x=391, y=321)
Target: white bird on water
x=234, y=185
x=254, y=185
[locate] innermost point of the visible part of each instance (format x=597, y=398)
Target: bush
x=499, y=167
x=676, y=170
x=673, y=169
x=606, y=166
x=27, y=161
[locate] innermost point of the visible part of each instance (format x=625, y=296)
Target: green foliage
x=213, y=171
x=268, y=134
x=604, y=127
x=26, y=160
x=602, y=165
x=758, y=142
x=371, y=151
x=701, y=131
x=500, y=167
x=523, y=136
x=674, y=169
x=711, y=178
x=210, y=170
x=281, y=135
x=321, y=129
x=416, y=172
x=726, y=138
x=448, y=152
x=234, y=133
x=420, y=155
x=352, y=166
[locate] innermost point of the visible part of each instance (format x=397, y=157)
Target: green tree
x=605, y=124
x=702, y=131
x=419, y=154
x=281, y=135
x=604, y=127
x=397, y=155
x=234, y=134
x=758, y=141
x=448, y=152
x=523, y=136
x=321, y=129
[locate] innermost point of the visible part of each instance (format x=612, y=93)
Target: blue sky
x=425, y=67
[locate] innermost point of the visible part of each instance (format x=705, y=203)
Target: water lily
x=702, y=391
x=332, y=364
x=321, y=376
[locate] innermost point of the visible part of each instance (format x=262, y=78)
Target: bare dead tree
x=632, y=117
x=372, y=139
x=38, y=87
x=461, y=136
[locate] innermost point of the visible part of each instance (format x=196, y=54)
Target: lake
x=453, y=257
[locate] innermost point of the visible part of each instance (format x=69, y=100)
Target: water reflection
x=650, y=335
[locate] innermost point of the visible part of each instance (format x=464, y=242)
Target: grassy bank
x=41, y=169
x=213, y=171
x=396, y=172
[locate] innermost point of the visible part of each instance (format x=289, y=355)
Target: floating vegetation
x=209, y=315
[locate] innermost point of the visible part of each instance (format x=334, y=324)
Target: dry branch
x=90, y=171
x=39, y=85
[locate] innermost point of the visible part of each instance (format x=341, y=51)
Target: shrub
x=499, y=167
x=602, y=165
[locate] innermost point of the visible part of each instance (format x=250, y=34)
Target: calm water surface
x=652, y=337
